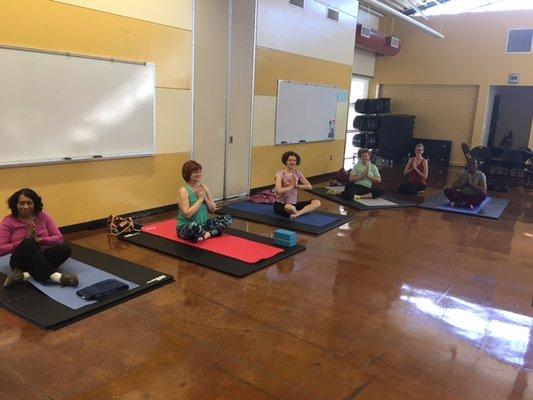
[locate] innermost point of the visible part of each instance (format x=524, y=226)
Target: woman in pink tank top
x=288, y=181
x=417, y=169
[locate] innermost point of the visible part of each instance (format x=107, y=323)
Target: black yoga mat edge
x=209, y=259
x=9, y=297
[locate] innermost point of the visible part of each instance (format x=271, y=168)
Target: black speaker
x=396, y=136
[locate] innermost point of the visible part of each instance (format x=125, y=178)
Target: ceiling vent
x=366, y=31
x=297, y=3
x=333, y=14
x=393, y=42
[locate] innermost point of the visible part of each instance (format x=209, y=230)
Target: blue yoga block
x=284, y=234
x=285, y=243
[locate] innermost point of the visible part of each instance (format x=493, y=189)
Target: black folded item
x=103, y=289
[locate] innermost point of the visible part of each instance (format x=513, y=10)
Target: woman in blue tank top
x=195, y=201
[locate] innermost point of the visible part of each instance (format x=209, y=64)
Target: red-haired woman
x=194, y=201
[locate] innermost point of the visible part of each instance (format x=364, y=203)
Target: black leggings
x=411, y=188
x=40, y=264
x=353, y=188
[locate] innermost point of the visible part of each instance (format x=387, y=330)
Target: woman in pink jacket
x=34, y=242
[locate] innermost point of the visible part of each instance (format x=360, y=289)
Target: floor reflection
x=503, y=334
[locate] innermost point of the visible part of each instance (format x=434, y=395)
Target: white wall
x=516, y=112
x=284, y=27
x=175, y=13
x=364, y=61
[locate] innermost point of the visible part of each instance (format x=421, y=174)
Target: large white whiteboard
x=55, y=107
x=305, y=112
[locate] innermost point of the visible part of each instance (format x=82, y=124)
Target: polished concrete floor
x=400, y=304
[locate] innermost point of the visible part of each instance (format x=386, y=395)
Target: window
x=358, y=90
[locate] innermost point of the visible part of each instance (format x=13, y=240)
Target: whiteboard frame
x=65, y=160
x=280, y=81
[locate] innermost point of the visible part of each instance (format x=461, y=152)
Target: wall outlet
x=331, y=157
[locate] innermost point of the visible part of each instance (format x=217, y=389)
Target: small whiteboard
x=61, y=108
x=305, y=112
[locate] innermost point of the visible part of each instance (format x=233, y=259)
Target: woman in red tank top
x=417, y=169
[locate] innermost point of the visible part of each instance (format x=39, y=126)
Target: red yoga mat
x=225, y=245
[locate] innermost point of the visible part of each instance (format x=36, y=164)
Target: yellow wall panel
x=173, y=111
x=79, y=192
x=317, y=158
x=175, y=13
x=272, y=65
x=44, y=24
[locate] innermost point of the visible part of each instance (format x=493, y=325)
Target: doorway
x=510, y=110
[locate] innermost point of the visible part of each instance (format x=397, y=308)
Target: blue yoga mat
x=489, y=208
x=464, y=210
x=66, y=295
x=314, y=218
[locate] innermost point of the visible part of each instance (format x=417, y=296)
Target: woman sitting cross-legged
x=194, y=201
x=288, y=181
x=469, y=188
x=417, y=169
x=34, y=242
x=364, y=174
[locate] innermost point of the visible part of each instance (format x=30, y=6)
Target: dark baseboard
x=102, y=223
x=311, y=179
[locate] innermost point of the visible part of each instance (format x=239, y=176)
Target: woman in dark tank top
x=417, y=169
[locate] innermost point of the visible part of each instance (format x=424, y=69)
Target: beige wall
x=176, y=13
x=473, y=53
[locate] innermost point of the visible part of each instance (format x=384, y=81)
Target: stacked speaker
x=388, y=135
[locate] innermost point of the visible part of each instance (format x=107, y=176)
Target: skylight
x=462, y=6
